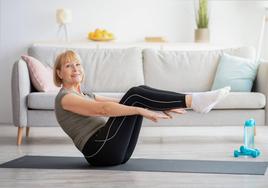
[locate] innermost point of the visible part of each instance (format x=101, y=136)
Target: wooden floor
x=202, y=143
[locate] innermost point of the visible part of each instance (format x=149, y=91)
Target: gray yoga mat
x=139, y=164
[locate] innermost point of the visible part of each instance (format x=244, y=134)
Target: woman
x=112, y=142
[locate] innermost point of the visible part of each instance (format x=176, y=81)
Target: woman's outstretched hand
x=175, y=110
x=151, y=115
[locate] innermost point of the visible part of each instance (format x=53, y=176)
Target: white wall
x=26, y=21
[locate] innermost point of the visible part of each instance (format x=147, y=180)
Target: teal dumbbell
x=247, y=151
x=250, y=151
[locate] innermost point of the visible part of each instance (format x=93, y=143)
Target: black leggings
x=114, y=143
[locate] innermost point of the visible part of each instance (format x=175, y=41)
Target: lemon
x=97, y=30
x=100, y=34
x=90, y=35
x=110, y=35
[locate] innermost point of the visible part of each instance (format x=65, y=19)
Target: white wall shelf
x=154, y=45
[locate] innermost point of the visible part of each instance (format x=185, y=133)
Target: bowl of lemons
x=100, y=35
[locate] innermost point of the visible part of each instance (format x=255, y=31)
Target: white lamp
x=64, y=17
x=263, y=26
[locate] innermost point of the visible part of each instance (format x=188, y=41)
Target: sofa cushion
x=41, y=76
x=107, y=70
x=189, y=71
x=236, y=100
x=237, y=72
x=41, y=100
x=242, y=100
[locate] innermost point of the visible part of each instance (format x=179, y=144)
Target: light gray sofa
x=111, y=72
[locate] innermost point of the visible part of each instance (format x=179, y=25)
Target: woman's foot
x=203, y=102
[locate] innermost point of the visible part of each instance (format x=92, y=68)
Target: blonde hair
x=67, y=56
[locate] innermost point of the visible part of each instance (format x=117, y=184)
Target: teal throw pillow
x=237, y=72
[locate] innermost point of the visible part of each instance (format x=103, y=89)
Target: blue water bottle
x=249, y=133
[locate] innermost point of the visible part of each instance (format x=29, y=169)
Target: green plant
x=202, y=15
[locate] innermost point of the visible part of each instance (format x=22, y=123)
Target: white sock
x=203, y=102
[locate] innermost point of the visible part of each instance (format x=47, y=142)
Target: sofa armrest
x=262, y=84
x=262, y=78
x=20, y=88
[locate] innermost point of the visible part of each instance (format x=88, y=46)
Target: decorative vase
x=202, y=35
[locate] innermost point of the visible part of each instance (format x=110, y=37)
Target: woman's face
x=71, y=73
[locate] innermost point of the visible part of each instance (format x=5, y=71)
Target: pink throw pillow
x=41, y=76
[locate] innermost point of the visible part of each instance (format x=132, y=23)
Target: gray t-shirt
x=79, y=128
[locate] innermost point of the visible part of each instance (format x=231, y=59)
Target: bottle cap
x=250, y=123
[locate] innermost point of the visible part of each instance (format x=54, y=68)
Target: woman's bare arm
x=80, y=105
x=106, y=99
